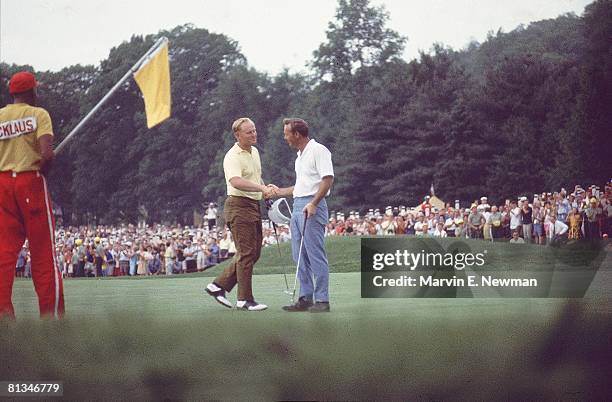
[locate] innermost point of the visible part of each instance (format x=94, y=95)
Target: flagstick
x=134, y=68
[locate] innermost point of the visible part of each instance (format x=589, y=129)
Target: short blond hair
x=236, y=124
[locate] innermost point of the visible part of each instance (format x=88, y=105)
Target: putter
x=297, y=268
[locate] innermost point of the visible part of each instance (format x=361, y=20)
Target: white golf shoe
x=250, y=305
x=218, y=294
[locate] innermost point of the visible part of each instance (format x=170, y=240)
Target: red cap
x=21, y=82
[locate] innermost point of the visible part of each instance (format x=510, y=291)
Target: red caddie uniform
x=25, y=207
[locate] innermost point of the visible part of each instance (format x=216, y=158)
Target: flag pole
x=132, y=70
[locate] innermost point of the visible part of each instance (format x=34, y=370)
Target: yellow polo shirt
x=21, y=125
x=245, y=164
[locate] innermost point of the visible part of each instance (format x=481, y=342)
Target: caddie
x=26, y=153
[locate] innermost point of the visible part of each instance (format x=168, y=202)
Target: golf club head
x=290, y=294
x=275, y=214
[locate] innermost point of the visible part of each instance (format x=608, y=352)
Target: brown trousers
x=243, y=216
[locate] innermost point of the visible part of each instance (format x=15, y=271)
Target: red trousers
x=25, y=212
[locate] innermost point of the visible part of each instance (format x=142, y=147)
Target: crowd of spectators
x=142, y=250
x=135, y=250
x=544, y=219
x=127, y=249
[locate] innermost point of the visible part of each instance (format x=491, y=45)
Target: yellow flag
x=153, y=78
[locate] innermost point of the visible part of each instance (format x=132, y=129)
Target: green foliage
x=356, y=38
x=464, y=154
x=555, y=40
x=596, y=94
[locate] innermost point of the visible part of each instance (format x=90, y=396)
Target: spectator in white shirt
x=440, y=232
x=515, y=216
x=559, y=231
x=516, y=239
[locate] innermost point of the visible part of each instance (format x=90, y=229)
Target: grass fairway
x=162, y=338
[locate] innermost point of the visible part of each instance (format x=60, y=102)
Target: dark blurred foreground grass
x=497, y=354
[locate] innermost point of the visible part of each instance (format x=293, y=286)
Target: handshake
x=271, y=191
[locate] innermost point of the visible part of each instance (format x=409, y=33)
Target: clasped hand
x=271, y=191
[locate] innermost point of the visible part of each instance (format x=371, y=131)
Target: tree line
x=522, y=112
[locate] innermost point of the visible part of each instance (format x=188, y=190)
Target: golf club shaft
x=297, y=268
x=280, y=255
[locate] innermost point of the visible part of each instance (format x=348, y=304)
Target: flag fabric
x=431, y=190
x=153, y=78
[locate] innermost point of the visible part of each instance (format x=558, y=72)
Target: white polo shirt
x=311, y=166
x=515, y=218
x=559, y=228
